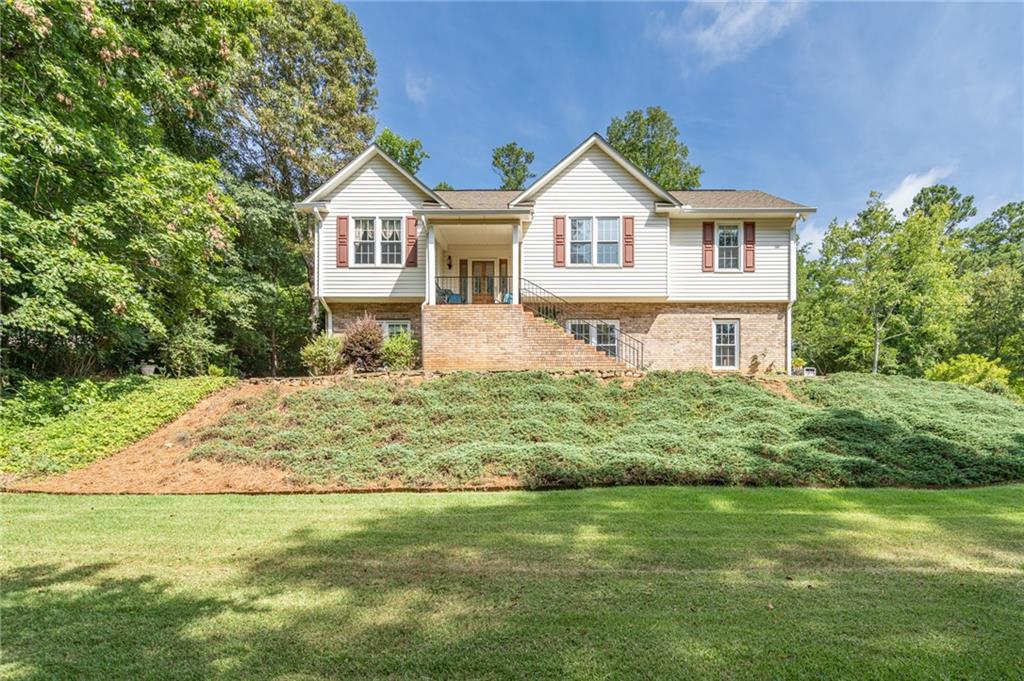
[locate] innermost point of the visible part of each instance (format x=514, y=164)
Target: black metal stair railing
x=627, y=349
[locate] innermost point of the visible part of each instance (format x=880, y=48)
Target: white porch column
x=515, y=263
x=431, y=264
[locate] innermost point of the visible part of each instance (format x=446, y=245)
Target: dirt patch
x=779, y=387
x=160, y=464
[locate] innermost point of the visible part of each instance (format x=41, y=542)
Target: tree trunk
x=878, y=349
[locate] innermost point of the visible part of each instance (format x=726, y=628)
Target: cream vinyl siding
x=375, y=190
x=768, y=282
x=596, y=186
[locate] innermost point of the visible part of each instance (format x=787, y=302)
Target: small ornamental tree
x=973, y=370
x=363, y=341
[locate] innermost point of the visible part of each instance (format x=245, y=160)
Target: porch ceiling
x=483, y=234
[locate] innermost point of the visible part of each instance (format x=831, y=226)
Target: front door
x=483, y=281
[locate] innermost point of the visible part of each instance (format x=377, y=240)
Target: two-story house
x=592, y=266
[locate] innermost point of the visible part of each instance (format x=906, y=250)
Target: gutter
x=800, y=213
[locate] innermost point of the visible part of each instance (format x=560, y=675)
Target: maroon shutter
x=748, y=246
x=627, y=241
x=559, y=241
x=342, y=241
x=410, y=241
x=707, y=263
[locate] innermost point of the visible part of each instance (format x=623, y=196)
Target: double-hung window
x=588, y=246
x=727, y=243
x=393, y=327
x=603, y=334
x=581, y=234
x=365, y=241
x=726, y=344
x=377, y=241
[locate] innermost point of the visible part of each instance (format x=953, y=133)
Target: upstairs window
x=365, y=253
x=588, y=247
x=580, y=241
x=391, y=241
x=728, y=247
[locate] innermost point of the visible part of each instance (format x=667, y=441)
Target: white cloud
x=721, y=33
x=900, y=198
x=417, y=87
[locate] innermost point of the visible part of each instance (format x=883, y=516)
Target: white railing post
x=515, y=263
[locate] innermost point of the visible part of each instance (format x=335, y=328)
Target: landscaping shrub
x=400, y=351
x=323, y=355
x=189, y=348
x=668, y=428
x=99, y=419
x=363, y=341
x=973, y=370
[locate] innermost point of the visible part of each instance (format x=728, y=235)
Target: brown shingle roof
x=732, y=198
x=490, y=199
x=482, y=199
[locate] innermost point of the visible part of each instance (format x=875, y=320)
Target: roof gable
x=595, y=140
x=371, y=152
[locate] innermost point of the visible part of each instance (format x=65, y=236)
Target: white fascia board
x=358, y=162
x=687, y=212
x=595, y=139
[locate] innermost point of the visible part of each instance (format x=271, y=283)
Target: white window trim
x=714, y=338
x=592, y=328
x=593, y=241
x=384, y=325
x=378, y=224
x=739, y=247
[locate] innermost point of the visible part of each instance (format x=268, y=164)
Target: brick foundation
x=502, y=337
x=505, y=337
x=344, y=313
x=678, y=335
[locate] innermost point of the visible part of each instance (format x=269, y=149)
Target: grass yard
x=684, y=428
x=669, y=582
x=61, y=425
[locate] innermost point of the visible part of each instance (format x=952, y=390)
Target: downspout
x=791, y=290
x=316, y=273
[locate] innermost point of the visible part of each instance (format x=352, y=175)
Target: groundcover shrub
x=115, y=414
x=671, y=427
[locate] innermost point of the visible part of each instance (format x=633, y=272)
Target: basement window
x=726, y=344
x=603, y=334
x=393, y=327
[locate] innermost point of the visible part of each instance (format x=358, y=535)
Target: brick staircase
x=503, y=337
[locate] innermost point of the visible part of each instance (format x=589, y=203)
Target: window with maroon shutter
x=559, y=232
x=707, y=262
x=342, y=242
x=748, y=246
x=411, y=240
x=627, y=241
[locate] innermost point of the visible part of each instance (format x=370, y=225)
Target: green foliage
x=190, y=348
x=322, y=356
x=400, y=352
x=680, y=428
x=98, y=419
x=883, y=295
x=443, y=186
x=943, y=197
x=512, y=164
x=31, y=402
x=650, y=140
x=363, y=341
x=408, y=153
x=972, y=370
x=303, y=105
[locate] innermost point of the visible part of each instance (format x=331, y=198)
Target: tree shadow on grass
x=637, y=584
x=75, y=623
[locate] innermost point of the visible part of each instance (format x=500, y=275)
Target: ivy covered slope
x=846, y=430
x=53, y=426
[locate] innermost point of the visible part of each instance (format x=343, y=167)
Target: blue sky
x=818, y=103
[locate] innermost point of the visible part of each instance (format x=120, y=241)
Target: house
x=592, y=266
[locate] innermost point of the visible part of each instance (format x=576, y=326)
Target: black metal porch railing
x=463, y=290
x=604, y=336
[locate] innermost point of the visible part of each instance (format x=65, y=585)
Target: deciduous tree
x=407, y=152
x=650, y=139
x=512, y=164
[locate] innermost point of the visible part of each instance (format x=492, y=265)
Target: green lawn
x=678, y=427
x=665, y=582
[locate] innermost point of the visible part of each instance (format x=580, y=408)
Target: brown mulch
x=160, y=464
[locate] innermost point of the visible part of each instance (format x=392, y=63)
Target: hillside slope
x=534, y=430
